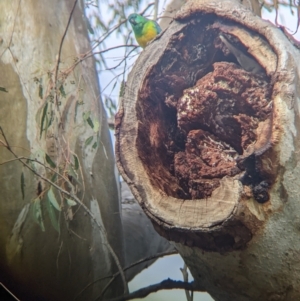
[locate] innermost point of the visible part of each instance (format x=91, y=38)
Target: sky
x=166, y=267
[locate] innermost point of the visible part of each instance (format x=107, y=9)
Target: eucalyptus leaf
x=3, y=89
x=90, y=29
x=88, y=141
x=54, y=178
x=37, y=215
x=62, y=91
x=86, y=115
x=73, y=174
x=76, y=162
x=96, y=126
x=52, y=199
x=49, y=161
x=23, y=185
x=95, y=145
x=90, y=122
x=71, y=202
x=41, y=91
x=52, y=215
x=43, y=119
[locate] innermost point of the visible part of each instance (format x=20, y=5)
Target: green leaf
x=76, y=108
x=37, y=215
x=95, y=145
x=23, y=185
x=76, y=162
x=49, y=161
x=86, y=115
x=71, y=202
x=3, y=89
x=96, y=126
x=54, y=178
x=43, y=119
x=52, y=199
x=90, y=122
x=62, y=91
x=88, y=141
x=90, y=29
x=73, y=174
x=40, y=91
x=52, y=215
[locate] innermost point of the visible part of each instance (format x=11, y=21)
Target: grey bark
x=141, y=239
x=54, y=265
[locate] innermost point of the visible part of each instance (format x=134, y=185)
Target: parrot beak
x=132, y=21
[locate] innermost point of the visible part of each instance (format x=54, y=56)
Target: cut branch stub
x=195, y=129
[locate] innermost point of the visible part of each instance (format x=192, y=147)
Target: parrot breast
x=149, y=33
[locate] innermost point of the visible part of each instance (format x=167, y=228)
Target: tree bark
x=50, y=248
x=141, y=239
x=207, y=140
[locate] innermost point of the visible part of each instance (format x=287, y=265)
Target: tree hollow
x=195, y=124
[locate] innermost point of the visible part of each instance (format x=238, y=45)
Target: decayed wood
x=209, y=147
x=183, y=154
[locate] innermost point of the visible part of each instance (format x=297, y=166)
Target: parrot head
x=137, y=21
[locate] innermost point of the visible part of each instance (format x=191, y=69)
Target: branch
x=189, y=297
x=13, y=29
x=147, y=7
x=168, y=284
x=9, y=291
x=91, y=54
x=155, y=10
x=113, y=277
x=60, y=48
x=35, y=161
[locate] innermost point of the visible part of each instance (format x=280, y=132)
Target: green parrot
x=144, y=29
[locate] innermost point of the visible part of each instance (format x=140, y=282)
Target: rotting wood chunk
x=204, y=162
x=219, y=115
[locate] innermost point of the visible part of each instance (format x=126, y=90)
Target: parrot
x=145, y=30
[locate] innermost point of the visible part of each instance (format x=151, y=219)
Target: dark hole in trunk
x=199, y=112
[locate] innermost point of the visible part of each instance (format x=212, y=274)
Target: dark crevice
x=199, y=113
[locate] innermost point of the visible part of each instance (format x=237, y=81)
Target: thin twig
x=127, y=268
x=89, y=54
x=107, y=34
x=37, y=161
x=168, y=284
x=60, y=48
x=189, y=297
x=105, y=288
x=122, y=60
x=147, y=7
x=9, y=291
x=59, y=250
x=13, y=29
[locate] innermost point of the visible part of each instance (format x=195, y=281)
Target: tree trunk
x=207, y=139
x=141, y=239
x=51, y=114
